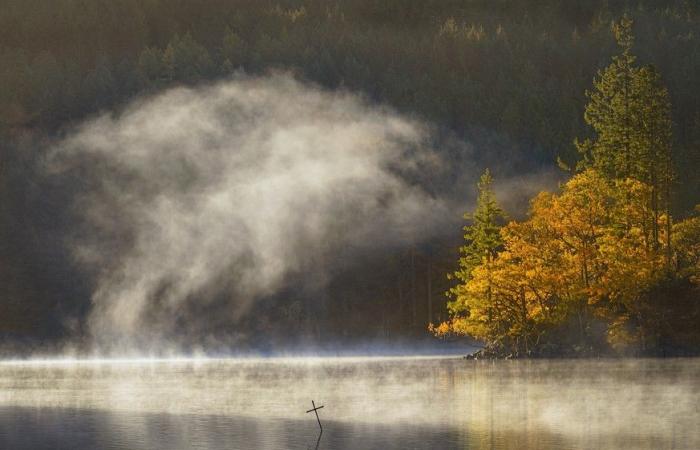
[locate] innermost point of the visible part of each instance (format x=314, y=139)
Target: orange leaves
x=686, y=241
x=591, y=244
x=442, y=330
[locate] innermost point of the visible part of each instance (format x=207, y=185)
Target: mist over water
x=198, y=201
x=368, y=403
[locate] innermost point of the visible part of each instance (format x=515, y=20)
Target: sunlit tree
x=482, y=237
x=482, y=240
x=582, y=255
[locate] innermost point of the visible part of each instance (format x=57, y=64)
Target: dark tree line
x=510, y=76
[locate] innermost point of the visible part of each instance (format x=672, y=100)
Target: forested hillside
x=509, y=77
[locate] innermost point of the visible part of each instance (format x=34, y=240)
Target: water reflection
x=369, y=403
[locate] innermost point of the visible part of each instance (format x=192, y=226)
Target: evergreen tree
x=186, y=60
x=630, y=113
x=150, y=66
x=483, y=238
x=610, y=111
x=483, y=235
x=654, y=160
x=483, y=242
x=233, y=48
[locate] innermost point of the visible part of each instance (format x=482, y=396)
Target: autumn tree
x=582, y=254
x=594, y=252
x=686, y=242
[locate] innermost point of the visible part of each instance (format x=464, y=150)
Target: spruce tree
x=483, y=236
x=630, y=113
x=483, y=242
x=654, y=164
x=610, y=111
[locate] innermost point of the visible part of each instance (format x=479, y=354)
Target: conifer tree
x=654, y=159
x=483, y=242
x=185, y=59
x=630, y=113
x=483, y=238
x=610, y=111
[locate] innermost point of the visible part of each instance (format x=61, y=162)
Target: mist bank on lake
x=378, y=402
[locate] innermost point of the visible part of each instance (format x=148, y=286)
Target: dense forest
x=508, y=77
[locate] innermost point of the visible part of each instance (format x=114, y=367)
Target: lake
x=369, y=403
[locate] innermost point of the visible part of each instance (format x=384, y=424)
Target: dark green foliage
x=516, y=69
x=151, y=67
x=630, y=113
x=186, y=60
x=482, y=236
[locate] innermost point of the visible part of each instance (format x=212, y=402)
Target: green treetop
x=610, y=111
x=483, y=237
x=630, y=113
x=483, y=241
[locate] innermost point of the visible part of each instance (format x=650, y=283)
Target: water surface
x=370, y=403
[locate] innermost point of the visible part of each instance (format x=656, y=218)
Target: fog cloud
x=212, y=197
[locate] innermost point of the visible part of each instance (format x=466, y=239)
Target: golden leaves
x=590, y=245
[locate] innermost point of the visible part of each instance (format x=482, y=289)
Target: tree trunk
x=430, y=290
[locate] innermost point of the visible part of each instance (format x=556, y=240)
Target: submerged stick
x=315, y=410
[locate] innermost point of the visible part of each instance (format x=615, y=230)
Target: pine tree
x=483, y=242
x=654, y=160
x=233, y=48
x=630, y=113
x=483, y=238
x=185, y=59
x=610, y=111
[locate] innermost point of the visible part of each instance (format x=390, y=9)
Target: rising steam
x=206, y=199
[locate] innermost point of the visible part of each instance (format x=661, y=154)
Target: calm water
x=399, y=403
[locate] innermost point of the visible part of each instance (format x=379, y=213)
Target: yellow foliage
x=590, y=246
x=442, y=330
x=686, y=241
